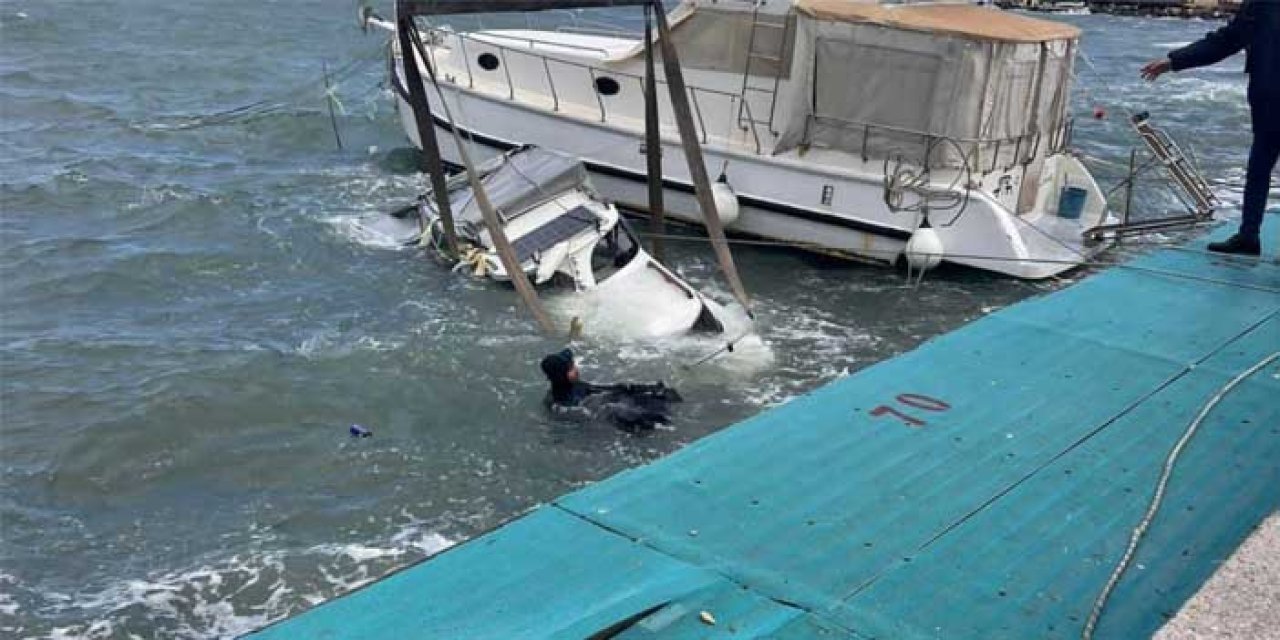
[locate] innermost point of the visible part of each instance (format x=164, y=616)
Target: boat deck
x=983, y=485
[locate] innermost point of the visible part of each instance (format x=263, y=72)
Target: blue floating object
x=1071, y=202
x=358, y=431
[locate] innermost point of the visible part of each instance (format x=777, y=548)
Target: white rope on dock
x=1138, y=532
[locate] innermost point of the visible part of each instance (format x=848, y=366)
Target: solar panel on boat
x=554, y=232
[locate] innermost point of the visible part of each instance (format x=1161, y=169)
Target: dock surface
x=983, y=485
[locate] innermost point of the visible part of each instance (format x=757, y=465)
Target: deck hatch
x=554, y=232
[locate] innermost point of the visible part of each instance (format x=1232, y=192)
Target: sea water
x=191, y=321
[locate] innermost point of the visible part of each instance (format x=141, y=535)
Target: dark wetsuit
x=630, y=407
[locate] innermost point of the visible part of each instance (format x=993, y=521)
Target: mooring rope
x=889, y=254
x=728, y=346
x=290, y=97
x=1138, y=532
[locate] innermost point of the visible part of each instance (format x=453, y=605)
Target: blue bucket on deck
x=1071, y=202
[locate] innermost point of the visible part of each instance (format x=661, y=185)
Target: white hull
x=987, y=237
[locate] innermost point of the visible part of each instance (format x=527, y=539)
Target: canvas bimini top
x=519, y=181
x=962, y=20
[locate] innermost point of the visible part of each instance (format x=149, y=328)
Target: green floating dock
x=981, y=486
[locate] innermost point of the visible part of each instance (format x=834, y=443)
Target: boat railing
x=607, y=32
x=697, y=95
x=983, y=155
x=980, y=155
x=533, y=42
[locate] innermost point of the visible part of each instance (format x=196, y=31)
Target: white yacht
x=838, y=125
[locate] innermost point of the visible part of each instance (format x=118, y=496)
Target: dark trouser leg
x=1257, y=185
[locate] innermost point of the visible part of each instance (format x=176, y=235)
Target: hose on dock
x=1135, y=539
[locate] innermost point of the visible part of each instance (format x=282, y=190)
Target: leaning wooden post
x=693, y=153
x=653, y=139
x=409, y=44
x=506, y=253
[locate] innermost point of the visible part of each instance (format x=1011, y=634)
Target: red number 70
x=916, y=400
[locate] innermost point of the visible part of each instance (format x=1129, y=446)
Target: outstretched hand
x=1156, y=68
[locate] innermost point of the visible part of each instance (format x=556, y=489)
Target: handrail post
x=551, y=84
x=697, y=111
x=752, y=119
x=506, y=68
x=596, y=90
x=466, y=61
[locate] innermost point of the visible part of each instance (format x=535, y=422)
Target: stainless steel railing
x=696, y=94
x=1026, y=146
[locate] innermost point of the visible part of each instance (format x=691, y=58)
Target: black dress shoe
x=1238, y=245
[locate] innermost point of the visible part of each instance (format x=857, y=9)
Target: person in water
x=630, y=407
x=1255, y=30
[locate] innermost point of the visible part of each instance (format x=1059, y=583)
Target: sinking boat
x=567, y=240
x=813, y=109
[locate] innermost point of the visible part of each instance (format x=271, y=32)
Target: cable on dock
x=1135, y=539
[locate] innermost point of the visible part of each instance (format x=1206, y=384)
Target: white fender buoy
x=726, y=201
x=924, y=250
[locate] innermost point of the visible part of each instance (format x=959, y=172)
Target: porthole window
x=607, y=86
x=487, y=61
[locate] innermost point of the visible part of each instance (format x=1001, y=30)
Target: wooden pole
x=409, y=43
x=1128, y=187
x=653, y=139
x=693, y=154
x=329, y=99
x=506, y=253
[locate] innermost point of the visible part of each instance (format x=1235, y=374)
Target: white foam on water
x=231, y=596
x=369, y=231
x=626, y=329
x=8, y=605
x=330, y=343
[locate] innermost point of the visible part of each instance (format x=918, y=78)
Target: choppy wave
x=226, y=596
x=213, y=293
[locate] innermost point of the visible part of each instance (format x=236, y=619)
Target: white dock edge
x=1242, y=599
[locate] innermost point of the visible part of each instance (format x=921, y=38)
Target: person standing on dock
x=1255, y=30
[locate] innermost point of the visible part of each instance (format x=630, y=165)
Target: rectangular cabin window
x=863, y=84
x=713, y=40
